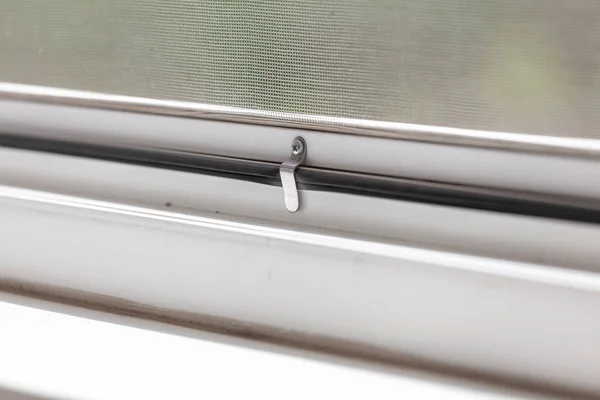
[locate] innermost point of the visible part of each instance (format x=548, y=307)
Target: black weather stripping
x=310, y=178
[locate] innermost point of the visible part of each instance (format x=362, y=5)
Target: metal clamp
x=287, y=172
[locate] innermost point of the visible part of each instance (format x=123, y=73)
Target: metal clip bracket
x=287, y=172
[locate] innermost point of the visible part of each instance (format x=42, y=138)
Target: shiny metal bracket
x=287, y=172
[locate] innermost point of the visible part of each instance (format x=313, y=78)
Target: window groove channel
x=318, y=179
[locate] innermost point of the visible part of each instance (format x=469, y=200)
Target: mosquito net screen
x=527, y=66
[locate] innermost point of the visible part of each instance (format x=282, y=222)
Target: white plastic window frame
x=408, y=279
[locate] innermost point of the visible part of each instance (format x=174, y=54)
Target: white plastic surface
x=60, y=356
x=512, y=320
x=554, y=174
x=347, y=268
x=505, y=236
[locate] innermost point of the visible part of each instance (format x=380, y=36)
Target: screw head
x=297, y=147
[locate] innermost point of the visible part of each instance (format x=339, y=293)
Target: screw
x=297, y=147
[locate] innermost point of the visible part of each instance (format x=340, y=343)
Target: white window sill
x=56, y=355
